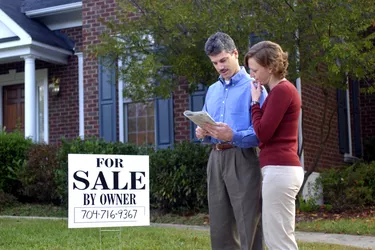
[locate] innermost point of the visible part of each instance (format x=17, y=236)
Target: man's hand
x=200, y=133
x=221, y=131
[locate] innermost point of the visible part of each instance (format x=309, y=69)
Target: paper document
x=199, y=117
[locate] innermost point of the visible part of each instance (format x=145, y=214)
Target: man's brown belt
x=222, y=146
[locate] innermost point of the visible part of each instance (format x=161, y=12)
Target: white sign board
x=108, y=190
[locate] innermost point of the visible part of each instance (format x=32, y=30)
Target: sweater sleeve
x=266, y=121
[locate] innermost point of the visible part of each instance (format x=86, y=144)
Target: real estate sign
x=108, y=190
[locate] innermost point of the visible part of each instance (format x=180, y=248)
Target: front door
x=14, y=107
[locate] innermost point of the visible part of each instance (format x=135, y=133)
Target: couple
x=246, y=193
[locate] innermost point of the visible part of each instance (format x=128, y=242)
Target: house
x=51, y=88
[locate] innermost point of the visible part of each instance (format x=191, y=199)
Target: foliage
x=178, y=178
x=89, y=146
x=7, y=200
x=13, y=149
x=308, y=205
x=333, y=38
x=167, y=39
x=37, y=174
x=349, y=187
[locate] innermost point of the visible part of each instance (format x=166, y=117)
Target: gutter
x=54, y=10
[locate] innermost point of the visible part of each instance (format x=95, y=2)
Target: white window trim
x=41, y=78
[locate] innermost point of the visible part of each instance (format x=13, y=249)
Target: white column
x=121, y=105
x=81, y=95
x=30, y=98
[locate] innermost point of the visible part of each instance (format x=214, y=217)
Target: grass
x=54, y=234
x=342, y=226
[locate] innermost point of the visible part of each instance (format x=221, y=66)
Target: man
x=233, y=171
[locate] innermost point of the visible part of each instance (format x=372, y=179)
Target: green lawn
x=358, y=226
x=54, y=234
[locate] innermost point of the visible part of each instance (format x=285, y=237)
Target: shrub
x=178, y=178
x=349, y=187
x=13, y=150
x=308, y=205
x=7, y=200
x=37, y=174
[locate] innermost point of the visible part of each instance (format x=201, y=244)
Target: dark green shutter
x=356, y=119
x=164, y=123
x=342, y=121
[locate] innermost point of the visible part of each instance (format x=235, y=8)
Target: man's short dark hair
x=218, y=43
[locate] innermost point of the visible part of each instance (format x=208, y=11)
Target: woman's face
x=260, y=73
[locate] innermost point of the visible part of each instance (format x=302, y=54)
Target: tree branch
x=290, y=6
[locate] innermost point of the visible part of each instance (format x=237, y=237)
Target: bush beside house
x=39, y=172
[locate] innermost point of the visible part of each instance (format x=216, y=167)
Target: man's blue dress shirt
x=230, y=104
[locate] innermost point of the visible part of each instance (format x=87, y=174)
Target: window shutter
x=356, y=119
x=164, y=123
x=196, y=104
x=342, y=121
x=107, y=102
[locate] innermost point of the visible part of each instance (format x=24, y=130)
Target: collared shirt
x=230, y=104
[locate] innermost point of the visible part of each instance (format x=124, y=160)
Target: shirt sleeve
x=266, y=122
x=247, y=138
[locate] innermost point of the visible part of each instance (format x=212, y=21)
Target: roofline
x=53, y=48
x=55, y=10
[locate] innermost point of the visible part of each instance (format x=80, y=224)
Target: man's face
x=226, y=63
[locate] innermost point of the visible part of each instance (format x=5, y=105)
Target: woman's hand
x=256, y=91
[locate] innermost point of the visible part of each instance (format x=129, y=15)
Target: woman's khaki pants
x=279, y=189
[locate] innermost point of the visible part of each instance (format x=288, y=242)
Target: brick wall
x=180, y=104
x=313, y=103
x=64, y=108
x=92, y=10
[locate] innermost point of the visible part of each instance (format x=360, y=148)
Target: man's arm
x=247, y=138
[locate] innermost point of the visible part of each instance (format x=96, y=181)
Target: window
x=140, y=123
x=196, y=103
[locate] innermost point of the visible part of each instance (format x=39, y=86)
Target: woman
x=276, y=126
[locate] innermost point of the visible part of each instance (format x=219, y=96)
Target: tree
x=326, y=40
x=335, y=40
x=167, y=38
